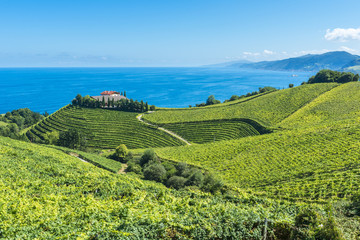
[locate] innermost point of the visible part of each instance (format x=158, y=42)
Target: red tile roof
x=109, y=92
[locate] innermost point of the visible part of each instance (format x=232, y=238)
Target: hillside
x=315, y=159
x=47, y=194
x=268, y=110
x=338, y=104
x=338, y=60
x=104, y=128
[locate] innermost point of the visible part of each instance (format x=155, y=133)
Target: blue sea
x=48, y=89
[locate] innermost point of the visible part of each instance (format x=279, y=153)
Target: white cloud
x=347, y=49
x=343, y=34
x=268, y=52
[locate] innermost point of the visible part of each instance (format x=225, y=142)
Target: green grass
x=268, y=110
x=47, y=194
x=3, y=123
x=216, y=130
x=341, y=103
x=105, y=128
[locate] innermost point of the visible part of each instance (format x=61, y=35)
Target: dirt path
x=122, y=170
x=77, y=156
x=162, y=129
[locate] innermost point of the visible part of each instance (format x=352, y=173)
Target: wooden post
x=265, y=229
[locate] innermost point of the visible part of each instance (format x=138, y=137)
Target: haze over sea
x=48, y=89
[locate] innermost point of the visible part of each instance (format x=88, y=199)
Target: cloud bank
x=343, y=34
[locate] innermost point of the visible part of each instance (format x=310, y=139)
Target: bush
x=120, y=152
x=291, y=85
x=148, y=156
x=134, y=167
x=181, y=168
x=170, y=169
x=129, y=157
x=306, y=218
x=155, y=172
x=176, y=182
x=329, y=231
x=212, y=184
x=195, y=179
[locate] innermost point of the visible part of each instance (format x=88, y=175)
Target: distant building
x=109, y=95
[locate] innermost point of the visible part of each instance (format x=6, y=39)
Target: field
x=339, y=104
x=216, y=130
x=268, y=110
x=47, y=194
x=105, y=128
x=313, y=156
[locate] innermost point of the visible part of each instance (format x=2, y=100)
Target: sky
x=156, y=33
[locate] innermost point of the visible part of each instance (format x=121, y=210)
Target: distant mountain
x=227, y=64
x=338, y=60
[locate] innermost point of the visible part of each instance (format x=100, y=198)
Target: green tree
x=146, y=107
x=72, y=139
x=291, y=85
x=103, y=102
x=124, y=93
x=176, y=182
x=121, y=151
x=152, y=108
x=155, y=172
x=148, y=156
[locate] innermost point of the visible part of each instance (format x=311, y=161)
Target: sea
x=48, y=89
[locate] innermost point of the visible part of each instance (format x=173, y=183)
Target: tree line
x=327, y=76
x=121, y=105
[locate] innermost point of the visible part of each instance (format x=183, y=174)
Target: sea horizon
x=50, y=88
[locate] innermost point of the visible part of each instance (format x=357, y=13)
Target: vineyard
x=104, y=128
x=216, y=130
x=47, y=194
x=268, y=109
x=340, y=104
x=309, y=164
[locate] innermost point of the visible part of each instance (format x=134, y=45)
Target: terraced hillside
x=216, y=130
x=316, y=158
x=105, y=128
x=311, y=164
x=339, y=104
x=47, y=194
x=268, y=110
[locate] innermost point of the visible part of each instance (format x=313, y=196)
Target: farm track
x=139, y=117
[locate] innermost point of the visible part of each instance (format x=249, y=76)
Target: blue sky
x=111, y=33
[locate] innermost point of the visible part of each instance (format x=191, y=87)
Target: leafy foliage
x=58, y=196
x=268, y=110
x=103, y=128
x=326, y=76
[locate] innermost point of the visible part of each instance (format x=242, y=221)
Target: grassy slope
x=315, y=162
x=106, y=128
x=47, y=194
x=339, y=104
x=268, y=109
x=209, y=131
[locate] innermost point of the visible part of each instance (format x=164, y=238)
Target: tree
x=176, y=182
x=155, y=172
x=103, y=102
x=121, y=151
x=146, y=107
x=234, y=97
x=124, y=93
x=211, y=100
x=291, y=85
x=152, y=108
x=148, y=156
x=72, y=139
x=142, y=108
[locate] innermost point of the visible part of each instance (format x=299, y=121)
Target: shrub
x=134, y=167
x=176, y=182
x=121, y=151
x=129, y=157
x=291, y=85
x=170, y=169
x=307, y=217
x=195, y=179
x=155, y=172
x=148, y=156
x=212, y=184
x=181, y=167
x=329, y=231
